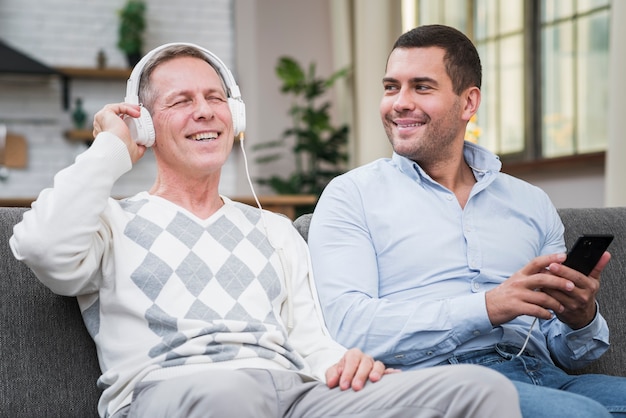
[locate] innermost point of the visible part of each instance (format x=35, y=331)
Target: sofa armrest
x=48, y=364
x=612, y=294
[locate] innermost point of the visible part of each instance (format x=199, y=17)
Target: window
x=574, y=68
x=545, y=67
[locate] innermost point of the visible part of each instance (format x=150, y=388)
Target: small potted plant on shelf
x=131, y=27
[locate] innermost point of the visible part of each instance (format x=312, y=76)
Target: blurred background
x=552, y=80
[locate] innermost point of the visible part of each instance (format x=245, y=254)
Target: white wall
x=70, y=33
x=266, y=30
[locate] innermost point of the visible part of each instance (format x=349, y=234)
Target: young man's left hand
x=579, y=303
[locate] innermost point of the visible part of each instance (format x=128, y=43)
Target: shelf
x=20, y=202
x=82, y=135
x=68, y=73
x=96, y=73
x=570, y=162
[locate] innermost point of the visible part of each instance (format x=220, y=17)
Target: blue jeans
x=545, y=390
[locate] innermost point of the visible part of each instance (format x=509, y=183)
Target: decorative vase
x=133, y=58
x=101, y=59
x=79, y=117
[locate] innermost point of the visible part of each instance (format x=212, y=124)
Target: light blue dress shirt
x=402, y=269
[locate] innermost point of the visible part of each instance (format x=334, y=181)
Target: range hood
x=15, y=62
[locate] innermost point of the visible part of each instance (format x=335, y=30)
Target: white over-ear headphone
x=142, y=128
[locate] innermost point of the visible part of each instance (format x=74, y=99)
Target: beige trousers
x=444, y=391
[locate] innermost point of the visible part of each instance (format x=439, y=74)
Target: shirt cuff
x=469, y=316
x=579, y=340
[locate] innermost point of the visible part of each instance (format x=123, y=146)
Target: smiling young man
x=200, y=306
x=434, y=256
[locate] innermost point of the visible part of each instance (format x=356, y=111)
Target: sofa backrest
x=48, y=364
x=612, y=294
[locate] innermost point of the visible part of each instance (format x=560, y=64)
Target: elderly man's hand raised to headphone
x=111, y=119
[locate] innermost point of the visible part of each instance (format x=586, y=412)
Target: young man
x=434, y=257
x=200, y=306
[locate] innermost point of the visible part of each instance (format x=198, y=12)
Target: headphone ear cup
x=238, y=112
x=141, y=128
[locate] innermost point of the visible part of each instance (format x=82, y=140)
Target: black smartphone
x=586, y=252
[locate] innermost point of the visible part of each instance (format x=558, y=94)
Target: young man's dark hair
x=461, y=59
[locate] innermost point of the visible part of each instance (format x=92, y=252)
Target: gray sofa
x=48, y=365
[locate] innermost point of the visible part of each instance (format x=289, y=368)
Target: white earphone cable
x=240, y=137
x=527, y=338
x=279, y=250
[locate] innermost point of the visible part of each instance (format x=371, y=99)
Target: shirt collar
x=482, y=162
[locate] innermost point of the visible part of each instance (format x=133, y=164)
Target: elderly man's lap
x=447, y=391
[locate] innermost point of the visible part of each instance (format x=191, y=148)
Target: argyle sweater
x=164, y=293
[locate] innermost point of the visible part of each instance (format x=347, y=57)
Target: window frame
x=532, y=153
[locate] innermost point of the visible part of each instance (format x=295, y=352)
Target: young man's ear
x=471, y=98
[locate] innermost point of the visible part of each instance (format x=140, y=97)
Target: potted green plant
x=131, y=27
x=319, y=148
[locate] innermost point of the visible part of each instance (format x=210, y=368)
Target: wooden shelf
x=96, y=73
x=558, y=164
x=84, y=135
x=68, y=73
x=20, y=202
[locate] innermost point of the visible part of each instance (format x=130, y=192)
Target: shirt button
x=475, y=286
x=476, y=332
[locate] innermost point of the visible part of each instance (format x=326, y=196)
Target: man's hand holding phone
x=519, y=294
x=563, y=290
x=583, y=265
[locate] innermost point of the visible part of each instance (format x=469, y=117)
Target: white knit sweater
x=164, y=293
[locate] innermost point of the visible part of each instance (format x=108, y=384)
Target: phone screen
x=586, y=252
